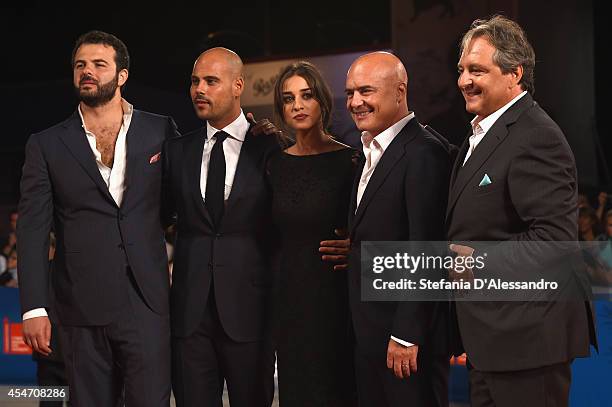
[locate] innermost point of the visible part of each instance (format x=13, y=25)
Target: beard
x=104, y=93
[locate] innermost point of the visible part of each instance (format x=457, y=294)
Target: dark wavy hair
x=315, y=81
x=122, y=57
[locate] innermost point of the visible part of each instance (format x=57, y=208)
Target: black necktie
x=215, y=181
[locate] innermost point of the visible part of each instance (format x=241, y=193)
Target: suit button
x=121, y=246
x=218, y=235
x=122, y=216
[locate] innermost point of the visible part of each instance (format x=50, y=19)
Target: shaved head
x=226, y=56
x=376, y=89
x=216, y=86
x=382, y=63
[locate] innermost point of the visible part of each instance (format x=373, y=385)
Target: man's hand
x=462, y=251
x=37, y=334
x=402, y=359
x=262, y=127
x=336, y=251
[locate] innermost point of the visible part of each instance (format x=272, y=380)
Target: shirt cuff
x=402, y=342
x=36, y=312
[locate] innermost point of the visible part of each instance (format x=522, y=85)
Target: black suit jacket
x=236, y=255
x=532, y=197
x=404, y=200
x=61, y=187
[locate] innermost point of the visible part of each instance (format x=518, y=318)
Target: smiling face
x=483, y=85
x=95, y=77
x=301, y=111
x=376, y=92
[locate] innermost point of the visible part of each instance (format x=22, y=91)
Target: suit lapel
x=192, y=168
x=76, y=141
x=459, y=160
x=494, y=137
x=244, y=171
x=133, y=168
x=394, y=152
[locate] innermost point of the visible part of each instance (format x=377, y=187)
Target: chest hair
x=106, y=137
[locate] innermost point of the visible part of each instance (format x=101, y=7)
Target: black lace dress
x=313, y=335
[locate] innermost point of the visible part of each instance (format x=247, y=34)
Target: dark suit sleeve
x=425, y=188
x=273, y=235
x=168, y=209
x=543, y=187
x=168, y=206
x=543, y=190
x=33, y=228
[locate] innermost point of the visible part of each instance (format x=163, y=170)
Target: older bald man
x=214, y=182
x=400, y=194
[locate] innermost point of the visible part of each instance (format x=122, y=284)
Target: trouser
x=546, y=386
x=202, y=361
x=377, y=386
x=127, y=360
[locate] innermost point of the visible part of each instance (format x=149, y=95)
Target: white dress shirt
x=113, y=177
x=480, y=128
x=231, y=148
x=373, y=149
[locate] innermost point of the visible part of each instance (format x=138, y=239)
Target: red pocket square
x=154, y=158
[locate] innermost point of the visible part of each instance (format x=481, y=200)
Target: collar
x=236, y=129
x=488, y=122
x=386, y=137
x=128, y=110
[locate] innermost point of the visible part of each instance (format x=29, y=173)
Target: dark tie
x=215, y=181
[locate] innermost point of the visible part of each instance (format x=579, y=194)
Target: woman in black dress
x=311, y=182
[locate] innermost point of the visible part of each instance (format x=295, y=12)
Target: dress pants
x=50, y=373
x=50, y=370
x=202, y=361
x=377, y=385
x=126, y=361
x=546, y=386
